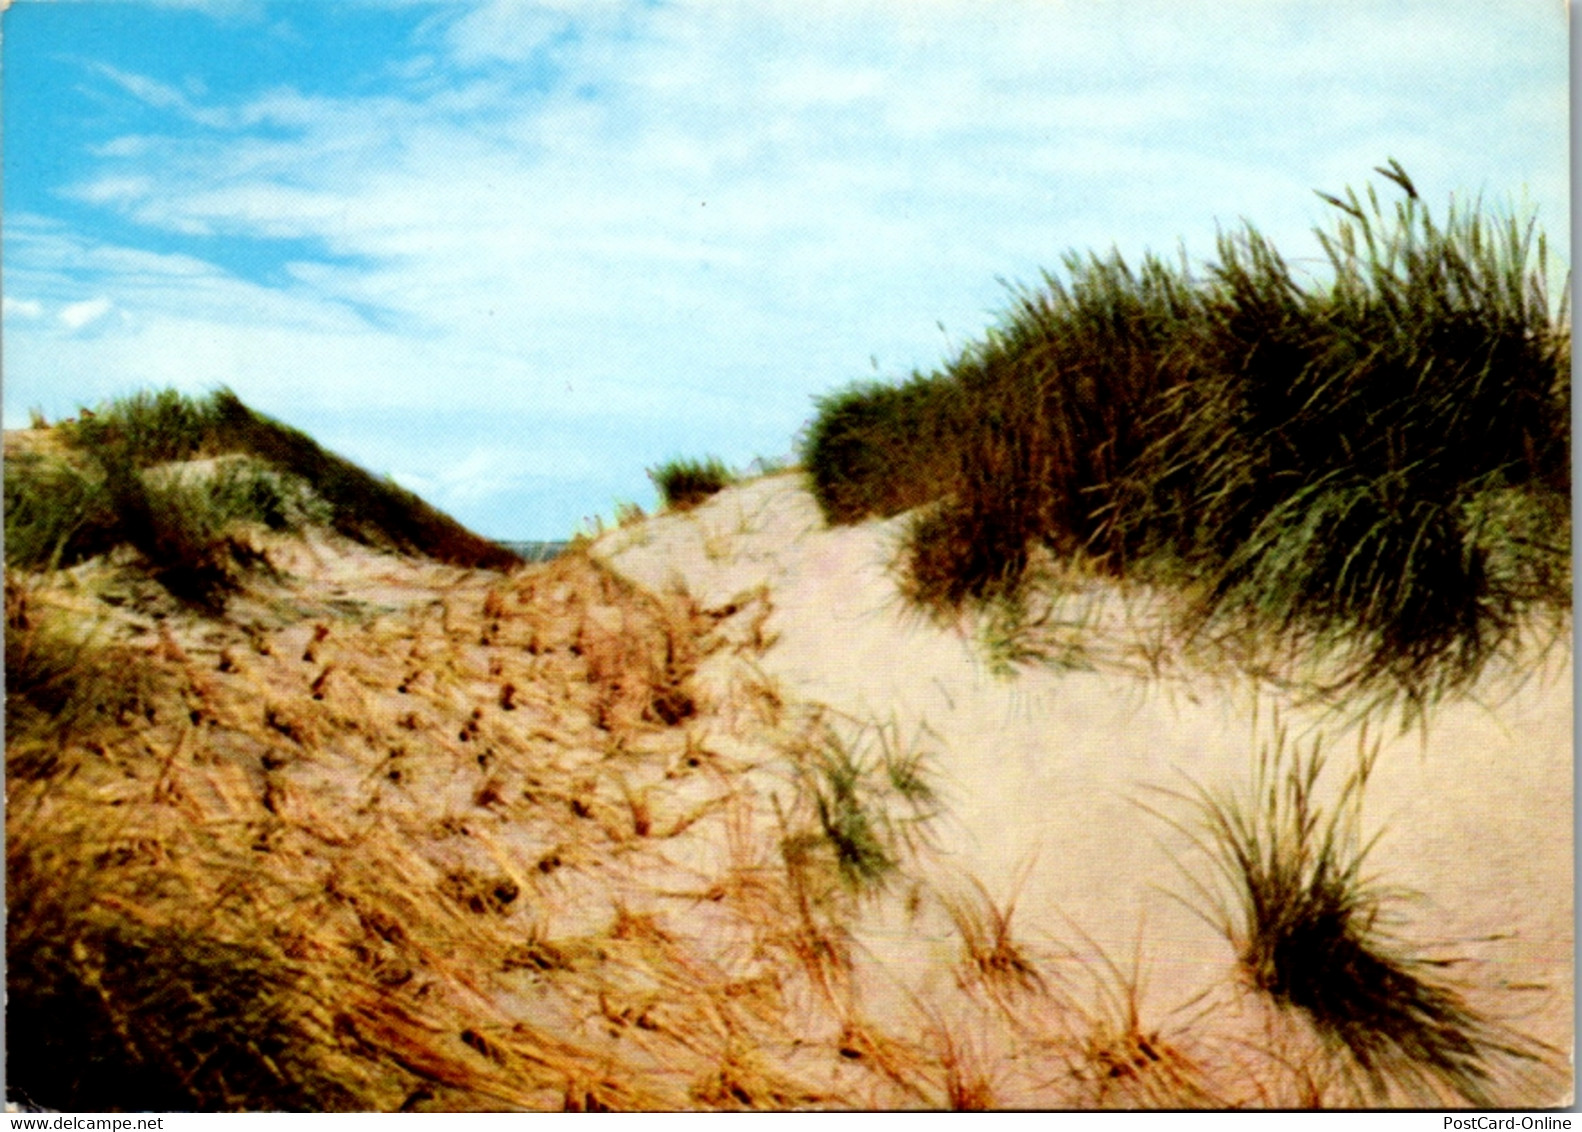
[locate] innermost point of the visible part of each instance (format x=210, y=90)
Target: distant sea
x=535, y=551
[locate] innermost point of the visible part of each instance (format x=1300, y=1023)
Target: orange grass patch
x=393, y=835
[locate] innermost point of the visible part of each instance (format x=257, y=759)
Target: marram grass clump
x=146, y=429
x=683, y=484
x=1290, y=890
x=124, y=478
x=876, y=449
x=1372, y=460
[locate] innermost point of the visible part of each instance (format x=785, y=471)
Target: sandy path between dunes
x=1042, y=771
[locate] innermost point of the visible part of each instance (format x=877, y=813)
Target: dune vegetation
x=1370, y=465
x=317, y=800
x=114, y=477
x=684, y=483
x=426, y=838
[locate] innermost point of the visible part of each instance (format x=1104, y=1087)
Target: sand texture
x=702, y=816
x=1058, y=770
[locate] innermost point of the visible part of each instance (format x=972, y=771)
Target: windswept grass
x=147, y=429
x=159, y=1020
x=120, y=483
x=1309, y=927
x=61, y=680
x=1357, y=460
x=683, y=484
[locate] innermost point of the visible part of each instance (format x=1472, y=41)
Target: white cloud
x=702, y=214
x=46, y=259
x=21, y=308
x=515, y=30
x=162, y=96
x=76, y=316
x=116, y=190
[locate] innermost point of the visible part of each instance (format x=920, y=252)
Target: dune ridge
x=700, y=816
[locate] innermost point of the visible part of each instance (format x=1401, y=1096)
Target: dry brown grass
x=991, y=956
x=399, y=836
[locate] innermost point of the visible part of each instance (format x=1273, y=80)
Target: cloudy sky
x=514, y=253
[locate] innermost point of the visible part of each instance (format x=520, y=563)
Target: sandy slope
x=550, y=839
x=1044, y=768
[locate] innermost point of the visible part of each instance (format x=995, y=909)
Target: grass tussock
x=1310, y=928
x=991, y=954
x=876, y=449
x=683, y=484
x=1124, y=1062
x=118, y=483
x=1374, y=459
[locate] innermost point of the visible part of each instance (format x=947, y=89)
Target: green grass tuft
x=683, y=484
x=1308, y=927
x=55, y=514
x=1355, y=460
x=871, y=799
x=121, y=490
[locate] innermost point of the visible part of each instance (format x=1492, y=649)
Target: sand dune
x=385, y=833
x=1044, y=766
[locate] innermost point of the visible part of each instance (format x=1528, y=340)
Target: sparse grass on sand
x=1311, y=930
x=391, y=834
x=683, y=483
x=1374, y=462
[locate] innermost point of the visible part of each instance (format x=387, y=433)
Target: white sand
x=1043, y=770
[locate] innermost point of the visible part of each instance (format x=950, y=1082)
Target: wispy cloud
x=76, y=316
x=666, y=227
x=24, y=309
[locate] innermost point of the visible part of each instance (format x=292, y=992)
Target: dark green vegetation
x=683, y=484
x=1308, y=926
x=872, y=801
x=879, y=449
x=1374, y=463
x=118, y=487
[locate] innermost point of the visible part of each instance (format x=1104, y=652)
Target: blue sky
x=513, y=254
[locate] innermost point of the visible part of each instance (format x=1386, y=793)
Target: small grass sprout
x=855, y=787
